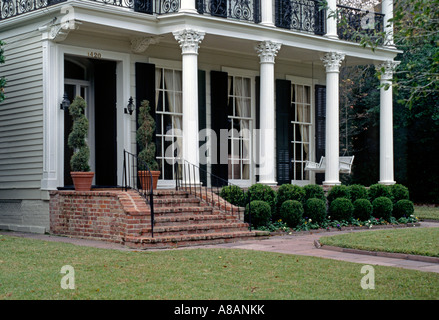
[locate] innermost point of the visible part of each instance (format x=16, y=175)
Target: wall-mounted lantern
x=130, y=107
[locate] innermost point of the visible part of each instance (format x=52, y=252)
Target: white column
x=387, y=10
x=189, y=41
x=332, y=62
x=331, y=22
x=267, y=51
x=53, y=116
x=187, y=6
x=267, y=13
x=386, y=122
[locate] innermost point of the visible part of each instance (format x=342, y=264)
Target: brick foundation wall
x=104, y=215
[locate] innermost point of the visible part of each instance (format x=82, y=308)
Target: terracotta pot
x=145, y=179
x=82, y=180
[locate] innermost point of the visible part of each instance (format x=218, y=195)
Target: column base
x=331, y=183
x=387, y=182
x=269, y=183
x=332, y=36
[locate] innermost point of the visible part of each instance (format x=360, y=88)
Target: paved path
x=291, y=244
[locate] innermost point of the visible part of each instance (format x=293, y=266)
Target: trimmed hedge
x=362, y=209
x=291, y=212
x=314, y=191
x=341, y=209
x=357, y=191
x=382, y=208
x=289, y=192
x=262, y=192
x=315, y=209
x=260, y=213
x=379, y=190
x=339, y=191
x=233, y=194
x=399, y=192
x=403, y=208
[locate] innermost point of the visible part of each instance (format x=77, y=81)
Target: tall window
x=302, y=124
x=240, y=121
x=169, y=116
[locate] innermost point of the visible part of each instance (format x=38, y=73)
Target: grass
x=427, y=212
x=418, y=241
x=30, y=269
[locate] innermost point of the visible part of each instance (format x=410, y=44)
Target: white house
x=267, y=68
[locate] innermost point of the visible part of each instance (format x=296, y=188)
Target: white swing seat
x=345, y=165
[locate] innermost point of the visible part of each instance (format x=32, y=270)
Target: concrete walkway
x=289, y=244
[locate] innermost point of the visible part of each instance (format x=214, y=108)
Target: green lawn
x=30, y=269
x=427, y=212
x=419, y=241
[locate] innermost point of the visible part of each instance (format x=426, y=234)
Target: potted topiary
x=80, y=169
x=147, y=148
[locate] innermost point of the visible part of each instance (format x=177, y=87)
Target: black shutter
x=320, y=129
x=202, y=118
x=283, y=131
x=145, y=87
x=219, y=120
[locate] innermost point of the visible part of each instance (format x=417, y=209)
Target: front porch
x=124, y=217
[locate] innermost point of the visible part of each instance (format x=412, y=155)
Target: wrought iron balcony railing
x=10, y=8
x=352, y=23
x=246, y=10
x=301, y=15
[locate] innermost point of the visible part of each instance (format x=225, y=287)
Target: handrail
x=136, y=171
x=187, y=178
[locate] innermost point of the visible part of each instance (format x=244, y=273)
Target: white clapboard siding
x=21, y=114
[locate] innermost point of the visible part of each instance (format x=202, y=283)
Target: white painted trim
x=123, y=85
x=308, y=82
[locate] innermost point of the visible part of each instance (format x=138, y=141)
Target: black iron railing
x=353, y=22
x=301, y=15
x=246, y=10
x=187, y=177
x=10, y=8
x=137, y=176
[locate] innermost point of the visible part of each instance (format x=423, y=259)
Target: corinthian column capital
x=386, y=69
x=332, y=61
x=189, y=40
x=267, y=51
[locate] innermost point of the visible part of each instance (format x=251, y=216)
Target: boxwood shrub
x=315, y=209
x=399, y=192
x=260, y=213
x=291, y=212
x=379, y=190
x=314, y=191
x=362, y=209
x=403, y=208
x=357, y=191
x=288, y=192
x=335, y=192
x=262, y=192
x=382, y=208
x=233, y=194
x=341, y=209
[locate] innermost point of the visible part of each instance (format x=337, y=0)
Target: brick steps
x=181, y=219
x=162, y=242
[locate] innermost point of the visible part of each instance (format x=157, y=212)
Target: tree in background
x=2, y=80
x=416, y=101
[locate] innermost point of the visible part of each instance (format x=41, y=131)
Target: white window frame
x=306, y=82
x=235, y=72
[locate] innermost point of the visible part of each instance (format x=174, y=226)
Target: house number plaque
x=93, y=54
